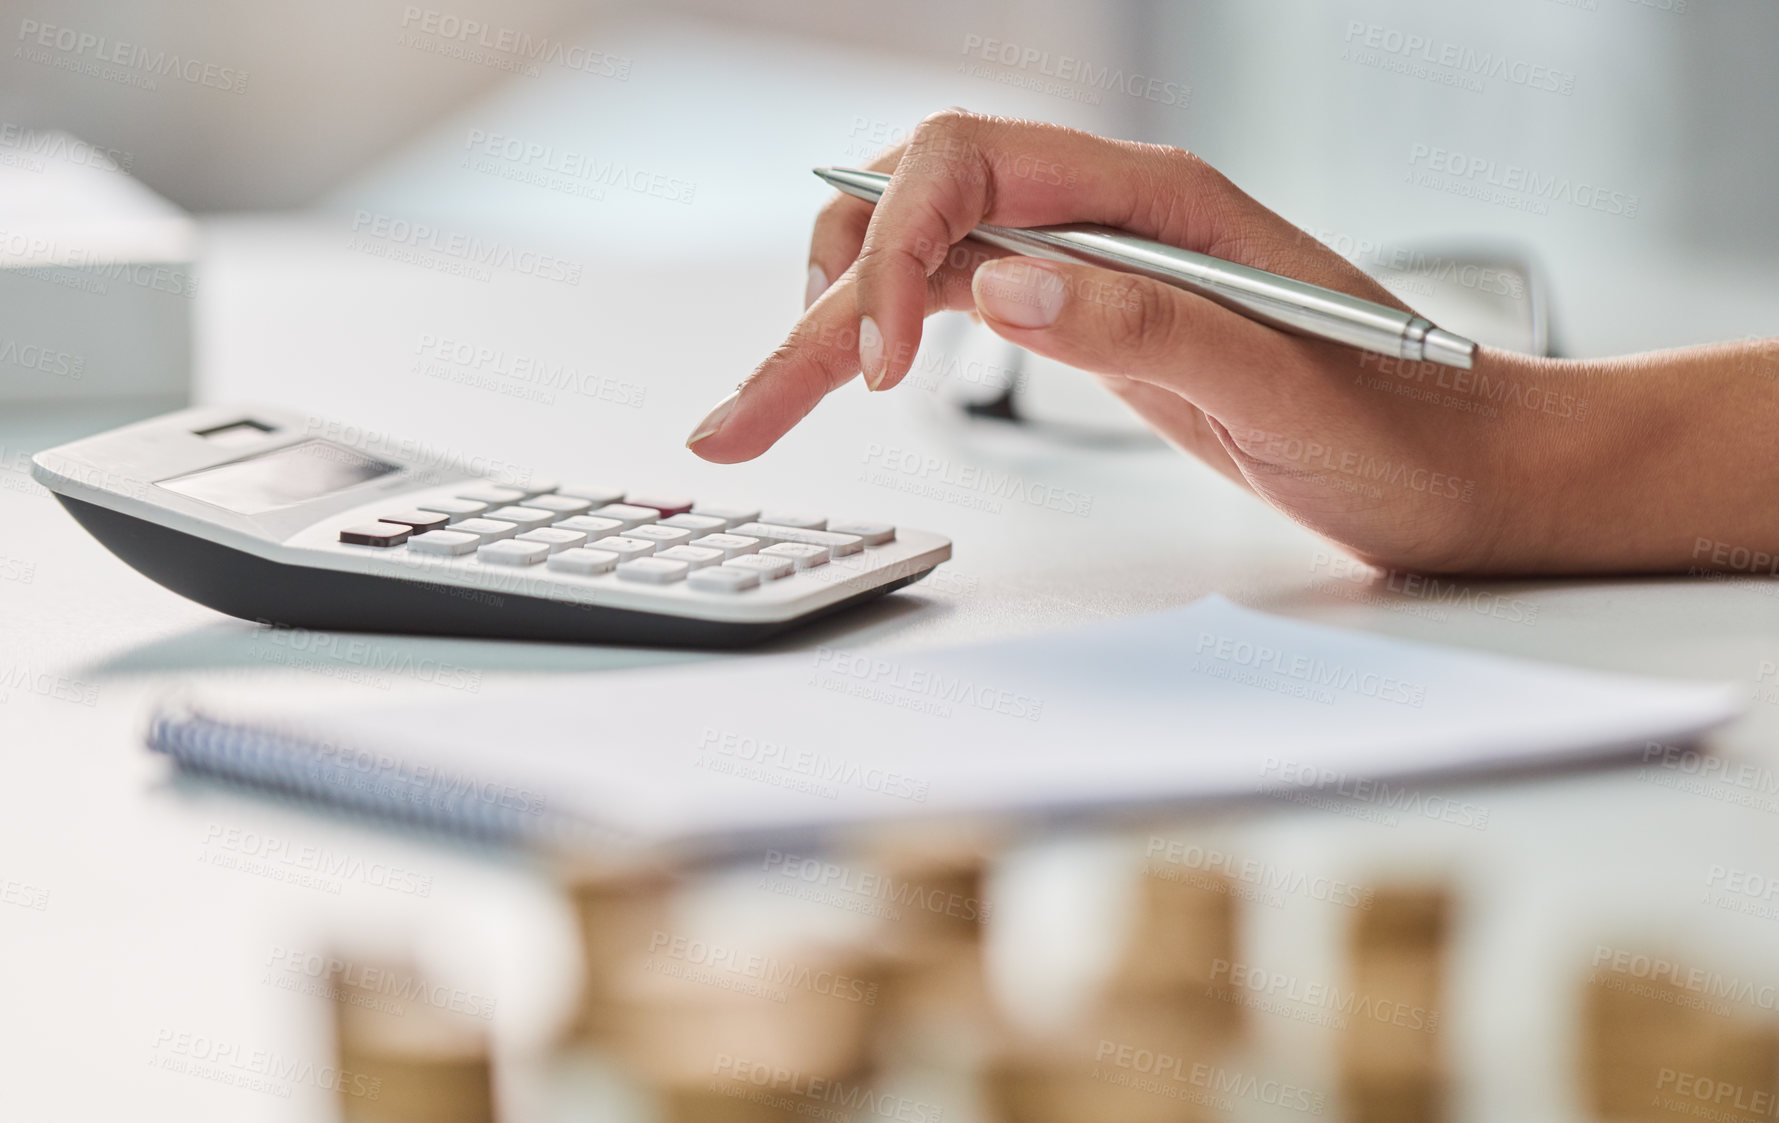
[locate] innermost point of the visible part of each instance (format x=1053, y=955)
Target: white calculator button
x=592, y=526
x=791, y=518
x=511, y=551
x=729, y=515
x=840, y=544
x=628, y=515
x=732, y=545
x=800, y=554
x=491, y=495
x=652, y=571
x=768, y=567
x=663, y=535
x=487, y=530
x=443, y=543
x=697, y=524
x=536, y=487
x=627, y=548
x=554, y=537
x=665, y=505
x=584, y=562
x=525, y=518
x=693, y=556
x=563, y=505
x=722, y=579
x=594, y=494
x=874, y=534
x=456, y=508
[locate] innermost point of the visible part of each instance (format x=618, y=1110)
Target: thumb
x=1121, y=324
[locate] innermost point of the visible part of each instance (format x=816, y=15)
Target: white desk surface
x=144, y=935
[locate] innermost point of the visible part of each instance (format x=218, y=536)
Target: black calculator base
x=298, y=596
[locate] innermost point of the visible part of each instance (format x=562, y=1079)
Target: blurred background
x=281, y=184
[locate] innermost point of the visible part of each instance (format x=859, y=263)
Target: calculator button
x=563, y=505
x=421, y=521
x=840, y=544
x=666, y=505
x=800, y=554
x=595, y=495
x=511, y=551
x=627, y=548
x=628, y=515
x=443, y=543
x=584, y=562
x=664, y=535
x=592, y=526
x=487, y=530
x=698, y=524
x=554, y=537
x=652, y=571
x=769, y=568
x=536, y=487
x=732, y=545
x=793, y=519
x=525, y=518
x=722, y=579
x=376, y=534
x=874, y=534
x=729, y=515
x=695, y=557
x=491, y=495
x=456, y=508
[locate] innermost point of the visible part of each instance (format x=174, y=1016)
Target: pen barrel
x=1281, y=302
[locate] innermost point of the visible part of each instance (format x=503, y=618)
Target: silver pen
x=1281, y=302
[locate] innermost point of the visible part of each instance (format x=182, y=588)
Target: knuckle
x=1144, y=317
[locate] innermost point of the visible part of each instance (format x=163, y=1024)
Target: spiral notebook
x=1211, y=701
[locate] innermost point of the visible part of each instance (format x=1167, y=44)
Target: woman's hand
x=1411, y=465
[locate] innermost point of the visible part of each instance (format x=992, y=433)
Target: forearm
x=1674, y=464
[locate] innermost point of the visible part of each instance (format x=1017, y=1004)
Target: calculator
x=292, y=520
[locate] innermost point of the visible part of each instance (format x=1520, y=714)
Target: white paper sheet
x=1208, y=701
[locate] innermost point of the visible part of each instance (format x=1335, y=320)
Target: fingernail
x=1022, y=293
x=871, y=352
x=714, y=419
x=818, y=284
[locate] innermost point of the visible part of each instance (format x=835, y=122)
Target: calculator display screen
x=280, y=477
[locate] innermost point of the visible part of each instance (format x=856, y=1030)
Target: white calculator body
x=276, y=517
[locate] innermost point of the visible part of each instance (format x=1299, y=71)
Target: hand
x=1410, y=465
